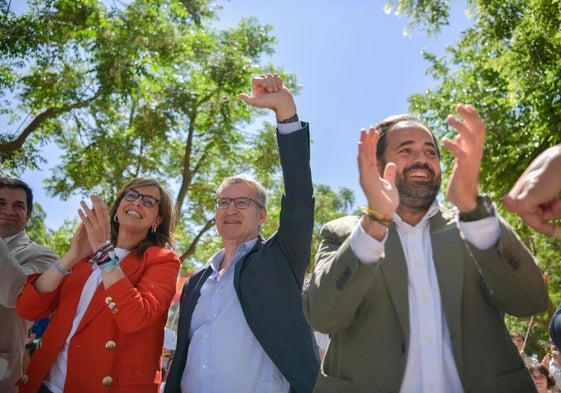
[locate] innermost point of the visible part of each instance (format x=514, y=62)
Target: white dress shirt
x=430, y=363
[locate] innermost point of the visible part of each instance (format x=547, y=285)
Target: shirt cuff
x=483, y=234
x=289, y=128
x=367, y=249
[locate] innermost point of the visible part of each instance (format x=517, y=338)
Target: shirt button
x=428, y=340
x=204, y=366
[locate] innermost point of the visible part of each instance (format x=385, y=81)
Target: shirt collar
x=242, y=249
x=432, y=210
x=9, y=238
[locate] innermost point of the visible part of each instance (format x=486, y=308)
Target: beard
x=417, y=195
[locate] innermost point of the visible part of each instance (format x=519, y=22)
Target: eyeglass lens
x=147, y=200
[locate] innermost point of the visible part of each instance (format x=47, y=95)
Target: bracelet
x=103, y=255
x=60, y=269
x=375, y=215
x=102, y=245
x=292, y=119
x=108, y=266
x=374, y=218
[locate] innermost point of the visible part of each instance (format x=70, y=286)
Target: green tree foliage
x=507, y=64
x=138, y=88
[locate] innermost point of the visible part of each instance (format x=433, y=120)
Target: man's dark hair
x=389, y=123
x=16, y=183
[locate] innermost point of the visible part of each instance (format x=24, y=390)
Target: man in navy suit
x=241, y=325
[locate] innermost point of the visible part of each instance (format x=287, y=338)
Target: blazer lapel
x=394, y=272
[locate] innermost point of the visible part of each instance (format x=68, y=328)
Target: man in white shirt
x=413, y=294
x=19, y=256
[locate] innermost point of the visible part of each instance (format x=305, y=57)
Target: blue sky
x=355, y=67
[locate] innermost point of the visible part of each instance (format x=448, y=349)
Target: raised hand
x=96, y=221
x=467, y=148
x=535, y=196
x=269, y=92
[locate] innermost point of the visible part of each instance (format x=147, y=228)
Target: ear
x=27, y=217
x=262, y=216
x=157, y=221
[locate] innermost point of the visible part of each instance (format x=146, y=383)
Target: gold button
x=24, y=379
x=107, y=381
x=108, y=299
x=110, y=345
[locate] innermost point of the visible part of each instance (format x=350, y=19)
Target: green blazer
x=18, y=258
x=365, y=308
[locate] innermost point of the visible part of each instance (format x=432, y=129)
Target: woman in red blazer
x=108, y=296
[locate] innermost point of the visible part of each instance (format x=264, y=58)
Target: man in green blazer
x=19, y=256
x=413, y=294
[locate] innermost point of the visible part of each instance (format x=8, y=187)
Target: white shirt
x=430, y=363
x=57, y=375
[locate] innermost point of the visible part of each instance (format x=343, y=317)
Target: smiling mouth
x=132, y=213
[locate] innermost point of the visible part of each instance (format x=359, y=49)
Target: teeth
x=133, y=214
x=420, y=174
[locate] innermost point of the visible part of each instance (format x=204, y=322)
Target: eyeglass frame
x=230, y=200
x=142, y=197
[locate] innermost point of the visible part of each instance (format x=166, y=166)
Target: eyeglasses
x=147, y=200
x=240, y=203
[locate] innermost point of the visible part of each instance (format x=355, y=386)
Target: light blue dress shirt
x=224, y=355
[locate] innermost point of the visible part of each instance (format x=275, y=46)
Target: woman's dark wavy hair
x=543, y=370
x=164, y=235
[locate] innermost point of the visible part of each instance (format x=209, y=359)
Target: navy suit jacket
x=268, y=280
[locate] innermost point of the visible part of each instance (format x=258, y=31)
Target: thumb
x=245, y=98
x=390, y=173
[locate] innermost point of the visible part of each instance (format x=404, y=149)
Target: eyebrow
x=410, y=142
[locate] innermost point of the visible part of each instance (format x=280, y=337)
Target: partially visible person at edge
x=543, y=380
x=519, y=341
x=241, y=324
x=19, y=256
x=535, y=195
x=109, y=296
x=413, y=294
x=552, y=361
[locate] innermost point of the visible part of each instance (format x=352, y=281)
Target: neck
x=128, y=242
x=410, y=216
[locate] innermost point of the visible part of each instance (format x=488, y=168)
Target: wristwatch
x=484, y=209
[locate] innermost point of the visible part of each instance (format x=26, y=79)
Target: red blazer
x=114, y=349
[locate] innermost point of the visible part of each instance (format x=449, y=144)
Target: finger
x=390, y=173
x=557, y=232
x=268, y=82
x=276, y=82
x=473, y=122
x=248, y=100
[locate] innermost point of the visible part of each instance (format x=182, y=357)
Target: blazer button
x=110, y=345
x=107, y=381
x=108, y=299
